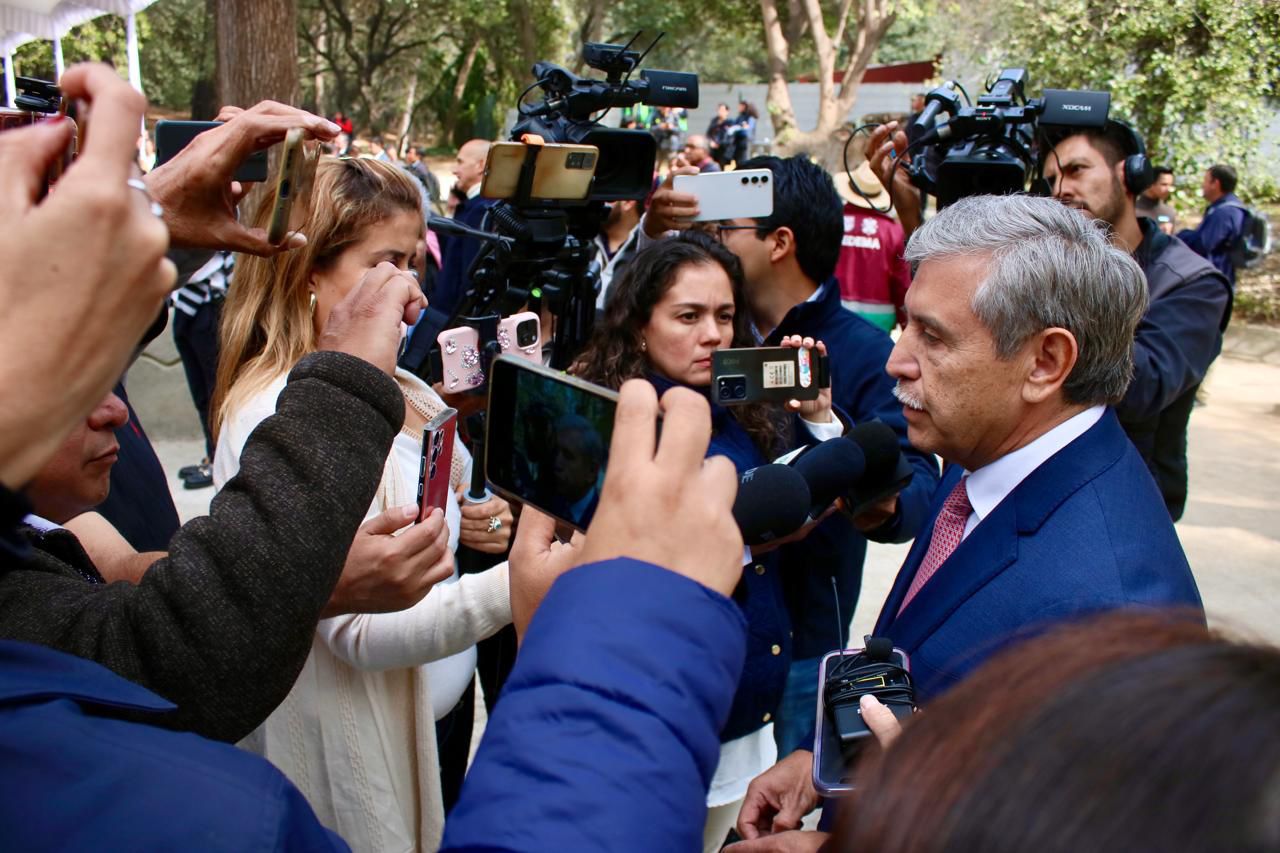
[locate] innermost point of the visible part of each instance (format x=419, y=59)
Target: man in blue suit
x=1020, y=335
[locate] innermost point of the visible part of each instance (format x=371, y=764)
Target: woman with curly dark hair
x=679, y=301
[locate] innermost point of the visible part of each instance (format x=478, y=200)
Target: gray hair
x=1050, y=266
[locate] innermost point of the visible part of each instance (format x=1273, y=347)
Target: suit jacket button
x=776, y=649
x=759, y=569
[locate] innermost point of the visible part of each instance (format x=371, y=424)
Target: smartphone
x=763, y=374
x=173, y=136
x=460, y=359
x=547, y=439
x=743, y=194
x=293, y=185
x=434, y=488
x=840, y=733
x=561, y=172
x=521, y=334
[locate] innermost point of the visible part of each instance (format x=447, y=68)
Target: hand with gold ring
x=486, y=527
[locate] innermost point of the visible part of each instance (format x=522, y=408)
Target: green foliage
x=1193, y=76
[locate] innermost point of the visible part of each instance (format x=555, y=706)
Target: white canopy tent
x=22, y=21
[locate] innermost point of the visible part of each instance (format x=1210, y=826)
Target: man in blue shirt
x=1223, y=221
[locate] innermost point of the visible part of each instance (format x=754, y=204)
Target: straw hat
x=867, y=182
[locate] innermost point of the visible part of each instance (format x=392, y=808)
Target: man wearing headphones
x=1100, y=172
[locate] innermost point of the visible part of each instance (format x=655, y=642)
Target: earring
x=644, y=345
x=313, y=302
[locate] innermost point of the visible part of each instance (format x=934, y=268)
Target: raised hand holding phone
x=664, y=502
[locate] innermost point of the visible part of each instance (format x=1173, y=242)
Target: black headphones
x=1138, y=174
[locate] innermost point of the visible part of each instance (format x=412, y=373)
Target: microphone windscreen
x=831, y=469
x=880, y=447
x=772, y=501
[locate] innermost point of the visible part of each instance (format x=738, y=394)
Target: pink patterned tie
x=948, y=530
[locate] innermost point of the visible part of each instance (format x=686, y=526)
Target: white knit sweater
x=357, y=732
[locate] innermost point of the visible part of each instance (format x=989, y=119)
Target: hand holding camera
x=82, y=305
x=197, y=188
x=886, y=147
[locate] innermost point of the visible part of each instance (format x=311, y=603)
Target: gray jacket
x=222, y=626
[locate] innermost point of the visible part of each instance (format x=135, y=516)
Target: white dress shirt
x=992, y=483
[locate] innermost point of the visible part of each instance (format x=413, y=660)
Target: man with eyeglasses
x=697, y=153
x=788, y=260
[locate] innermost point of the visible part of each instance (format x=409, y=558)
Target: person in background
x=697, y=153
x=356, y=733
x=720, y=136
x=872, y=272
x=1153, y=202
x=617, y=243
x=415, y=161
x=744, y=132
x=1223, y=223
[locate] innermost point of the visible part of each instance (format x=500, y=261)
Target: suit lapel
x=916, y=555
x=990, y=549
x=993, y=545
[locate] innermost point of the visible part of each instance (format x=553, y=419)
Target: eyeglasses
x=720, y=229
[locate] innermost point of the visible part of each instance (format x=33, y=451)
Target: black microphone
x=866, y=457
x=879, y=444
x=830, y=469
x=773, y=501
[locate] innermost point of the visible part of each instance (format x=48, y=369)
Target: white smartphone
x=745, y=194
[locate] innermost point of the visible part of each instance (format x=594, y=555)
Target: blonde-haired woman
x=357, y=733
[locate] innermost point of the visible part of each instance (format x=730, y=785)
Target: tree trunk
x=778, y=98
x=591, y=30
x=406, y=121
x=450, y=119
x=257, y=61
x=257, y=51
x=322, y=104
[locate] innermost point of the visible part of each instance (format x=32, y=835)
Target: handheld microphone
x=866, y=458
x=830, y=469
x=772, y=502
x=879, y=444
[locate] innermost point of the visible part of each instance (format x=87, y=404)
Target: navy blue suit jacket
x=457, y=254
x=1087, y=531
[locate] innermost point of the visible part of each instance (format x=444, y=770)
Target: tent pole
x=10, y=87
x=131, y=44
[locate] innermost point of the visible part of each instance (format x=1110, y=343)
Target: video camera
x=991, y=147
x=539, y=251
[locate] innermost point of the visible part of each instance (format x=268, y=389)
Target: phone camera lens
x=744, y=180
x=755, y=180
x=764, y=179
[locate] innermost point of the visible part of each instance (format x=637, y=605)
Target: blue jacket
x=1086, y=531
x=1222, y=224
x=835, y=549
x=76, y=777
x=1178, y=338
x=759, y=594
x=457, y=255
x=607, y=735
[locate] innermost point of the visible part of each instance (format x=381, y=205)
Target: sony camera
x=991, y=147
